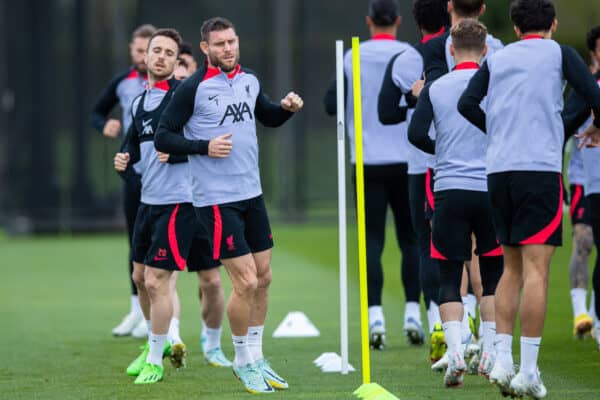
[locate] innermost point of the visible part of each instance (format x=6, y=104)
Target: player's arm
x=469, y=104
x=434, y=58
x=169, y=135
x=579, y=77
x=418, y=130
x=102, y=108
x=575, y=113
x=269, y=113
x=129, y=154
x=330, y=99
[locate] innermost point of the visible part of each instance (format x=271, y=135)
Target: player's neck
x=153, y=80
x=456, y=19
x=466, y=58
x=384, y=30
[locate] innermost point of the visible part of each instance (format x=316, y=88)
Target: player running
x=433, y=19
x=524, y=88
x=123, y=89
x=385, y=158
x=212, y=118
x=462, y=205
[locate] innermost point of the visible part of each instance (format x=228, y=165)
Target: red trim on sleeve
x=217, y=233
x=427, y=38
x=180, y=261
x=542, y=236
x=383, y=36
x=467, y=65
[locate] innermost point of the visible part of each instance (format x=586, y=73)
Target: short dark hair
x=592, y=38
x=469, y=35
x=171, y=34
x=383, y=12
x=467, y=8
x=213, y=25
x=143, y=31
x=431, y=15
x=532, y=15
x=185, y=48
x=182, y=62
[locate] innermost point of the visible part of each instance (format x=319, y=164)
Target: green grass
x=61, y=296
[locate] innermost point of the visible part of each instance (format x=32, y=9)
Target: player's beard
x=214, y=60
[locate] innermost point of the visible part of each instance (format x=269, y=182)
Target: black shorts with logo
x=527, y=207
x=168, y=237
x=237, y=228
x=458, y=214
x=578, y=206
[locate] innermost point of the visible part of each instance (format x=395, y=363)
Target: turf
x=60, y=297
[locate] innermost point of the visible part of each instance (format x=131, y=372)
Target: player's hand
x=121, y=161
x=589, y=138
x=112, y=128
x=220, y=147
x=417, y=87
x=292, y=102
x=162, y=157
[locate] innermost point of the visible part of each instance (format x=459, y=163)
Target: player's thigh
x=225, y=224
x=242, y=272
x=257, y=227
x=142, y=235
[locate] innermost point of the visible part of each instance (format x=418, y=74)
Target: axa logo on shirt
x=236, y=112
x=147, y=127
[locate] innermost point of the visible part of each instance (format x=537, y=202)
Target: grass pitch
x=61, y=297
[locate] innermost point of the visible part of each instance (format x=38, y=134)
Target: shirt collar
x=427, y=38
x=467, y=65
x=383, y=36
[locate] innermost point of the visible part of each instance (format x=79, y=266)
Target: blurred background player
x=462, y=205
x=214, y=108
x=122, y=90
x=386, y=166
x=524, y=180
x=432, y=19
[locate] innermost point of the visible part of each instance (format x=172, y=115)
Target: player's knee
x=138, y=278
x=210, y=282
x=491, y=272
x=246, y=285
x=264, y=277
x=450, y=280
x=584, y=240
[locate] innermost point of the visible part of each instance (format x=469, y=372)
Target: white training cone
x=296, y=324
x=331, y=362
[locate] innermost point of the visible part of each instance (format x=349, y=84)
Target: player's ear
x=517, y=31
x=482, y=10
x=398, y=21
x=204, y=47
x=485, y=50
x=450, y=7
x=452, y=51
x=369, y=21
x=554, y=25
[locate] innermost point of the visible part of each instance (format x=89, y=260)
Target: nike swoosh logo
x=156, y=258
x=145, y=123
x=210, y=98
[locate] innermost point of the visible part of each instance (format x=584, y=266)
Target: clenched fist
x=112, y=128
x=121, y=161
x=292, y=102
x=220, y=147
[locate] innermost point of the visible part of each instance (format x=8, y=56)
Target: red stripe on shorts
x=435, y=253
x=217, y=233
x=576, y=199
x=180, y=261
x=497, y=252
x=542, y=236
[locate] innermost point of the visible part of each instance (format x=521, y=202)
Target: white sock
x=433, y=315
x=255, y=334
x=470, y=303
x=213, y=338
x=452, y=333
x=412, y=310
x=134, y=307
x=530, y=348
x=242, y=352
x=465, y=329
x=174, y=331
x=503, y=347
x=578, y=297
x=148, y=326
x=157, y=344
x=489, y=332
x=376, y=314
x=480, y=330
x=592, y=309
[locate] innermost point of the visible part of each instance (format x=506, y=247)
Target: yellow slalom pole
x=360, y=205
x=368, y=390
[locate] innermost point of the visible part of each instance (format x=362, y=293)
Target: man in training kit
x=433, y=19
x=462, y=205
x=524, y=164
x=576, y=111
x=123, y=89
x=210, y=290
x=385, y=157
x=211, y=118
